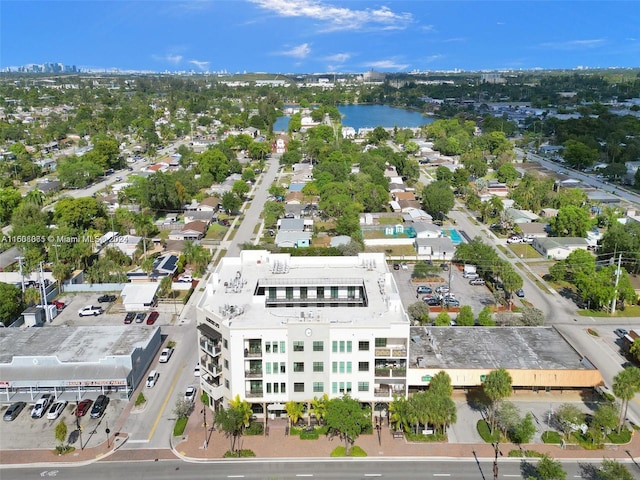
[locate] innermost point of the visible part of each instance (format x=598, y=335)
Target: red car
x=151, y=319
x=58, y=304
x=83, y=407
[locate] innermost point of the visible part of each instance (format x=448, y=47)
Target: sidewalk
x=191, y=447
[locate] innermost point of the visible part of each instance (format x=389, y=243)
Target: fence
x=93, y=287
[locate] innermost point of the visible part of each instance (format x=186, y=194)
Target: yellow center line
x=164, y=404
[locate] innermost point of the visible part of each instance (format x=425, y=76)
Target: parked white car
x=514, y=239
x=41, y=405
x=152, y=378
x=90, y=310
x=190, y=394
x=56, y=409
x=165, y=355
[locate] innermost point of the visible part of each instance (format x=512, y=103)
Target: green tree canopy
x=438, y=198
x=346, y=419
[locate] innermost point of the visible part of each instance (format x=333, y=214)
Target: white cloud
x=387, y=65
x=202, y=66
x=337, y=18
x=301, y=51
x=173, y=59
x=338, y=57
x=573, y=44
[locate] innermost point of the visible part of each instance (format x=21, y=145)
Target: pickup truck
x=90, y=310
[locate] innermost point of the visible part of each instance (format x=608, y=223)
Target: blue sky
x=317, y=36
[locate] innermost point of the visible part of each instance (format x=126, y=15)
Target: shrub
x=551, y=437
x=140, y=400
x=525, y=453
x=620, y=438
x=255, y=428
x=239, y=454
x=436, y=437
x=179, y=427
x=342, y=452
x=485, y=432
x=592, y=332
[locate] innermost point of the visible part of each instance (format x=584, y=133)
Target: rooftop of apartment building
x=242, y=291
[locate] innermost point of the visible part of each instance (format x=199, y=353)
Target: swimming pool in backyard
x=454, y=235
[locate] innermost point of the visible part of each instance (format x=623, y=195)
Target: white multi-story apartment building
x=274, y=328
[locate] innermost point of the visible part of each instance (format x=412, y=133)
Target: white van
x=152, y=378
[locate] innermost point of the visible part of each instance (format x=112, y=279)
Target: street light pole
x=204, y=416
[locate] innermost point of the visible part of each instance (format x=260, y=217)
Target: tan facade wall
x=521, y=378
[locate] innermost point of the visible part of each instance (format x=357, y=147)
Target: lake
x=371, y=116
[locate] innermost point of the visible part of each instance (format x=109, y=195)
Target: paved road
x=260, y=193
x=588, y=179
x=340, y=469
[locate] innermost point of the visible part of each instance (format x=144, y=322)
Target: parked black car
x=13, y=411
x=107, y=298
x=99, y=406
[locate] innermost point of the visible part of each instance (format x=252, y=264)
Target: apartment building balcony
x=213, y=349
x=382, y=392
x=391, y=351
x=253, y=373
x=254, y=394
x=253, y=348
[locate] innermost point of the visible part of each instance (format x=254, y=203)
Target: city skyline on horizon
x=319, y=36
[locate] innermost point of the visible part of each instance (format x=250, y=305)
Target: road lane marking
x=441, y=474
x=372, y=474
x=509, y=475
x=235, y=476
x=304, y=475
x=164, y=405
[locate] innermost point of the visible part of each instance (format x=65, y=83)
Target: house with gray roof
x=559, y=248
x=441, y=248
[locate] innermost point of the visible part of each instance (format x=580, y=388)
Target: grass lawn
x=356, y=451
x=551, y=437
x=216, y=232
x=179, y=427
x=394, y=251
x=629, y=311
x=524, y=251
x=390, y=220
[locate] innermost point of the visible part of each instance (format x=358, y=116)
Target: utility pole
x=43, y=294
x=615, y=290
x=20, y=259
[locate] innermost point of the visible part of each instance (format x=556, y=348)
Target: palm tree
x=399, y=414
x=243, y=407
x=319, y=407
x=625, y=385
x=294, y=411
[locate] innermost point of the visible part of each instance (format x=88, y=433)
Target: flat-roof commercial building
x=73, y=361
x=274, y=328
x=537, y=358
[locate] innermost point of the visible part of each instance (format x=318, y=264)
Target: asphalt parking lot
x=114, y=312
x=475, y=296
x=25, y=432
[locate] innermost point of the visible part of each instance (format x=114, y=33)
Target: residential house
x=497, y=189
x=48, y=186
x=9, y=257
x=226, y=186
x=410, y=205
x=294, y=232
x=559, y=248
x=440, y=248
x=395, y=206
x=416, y=215
x=515, y=215
x=139, y=296
x=534, y=229
x=427, y=230
x=192, y=231
x=163, y=266
x=549, y=212
x=206, y=216
x=209, y=204
x=294, y=198
x=399, y=196
x=280, y=145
